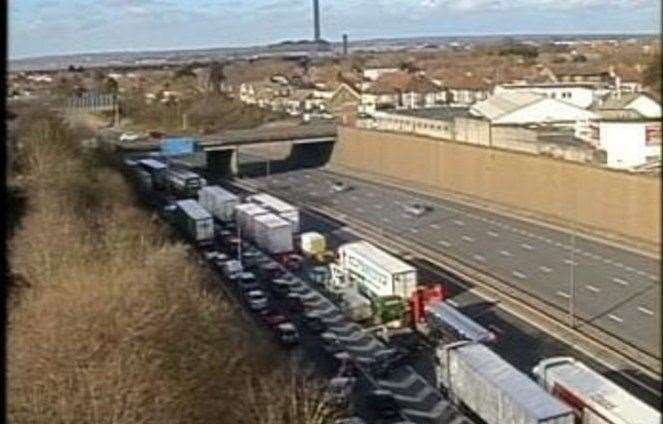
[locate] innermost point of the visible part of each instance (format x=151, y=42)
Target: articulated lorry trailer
x=594, y=398
x=157, y=171
x=386, y=281
x=474, y=376
x=183, y=183
x=279, y=207
x=218, y=202
x=196, y=223
x=273, y=234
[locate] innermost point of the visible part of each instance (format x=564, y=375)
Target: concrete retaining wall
x=612, y=202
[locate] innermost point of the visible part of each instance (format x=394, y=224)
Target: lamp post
x=572, y=281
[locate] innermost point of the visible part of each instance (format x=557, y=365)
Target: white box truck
x=219, y=202
x=595, y=399
x=494, y=390
x=273, y=234
x=375, y=272
x=279, y=207
x=195, y=221
x=244, y=214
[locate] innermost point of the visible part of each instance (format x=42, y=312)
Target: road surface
x=616, y=290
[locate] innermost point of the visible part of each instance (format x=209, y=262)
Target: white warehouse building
x=582, y=95
x=523, y=108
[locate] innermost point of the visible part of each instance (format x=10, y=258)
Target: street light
x=572, y=281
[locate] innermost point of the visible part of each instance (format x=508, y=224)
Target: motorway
x=616, y=290
x=519, y=342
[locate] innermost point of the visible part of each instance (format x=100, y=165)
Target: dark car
x=273, y=318
x=293, y=262
x=383, y=402
x=287, y=334
x=281, y=287
x=314, y=323
x=294, y=303
x=387, y=360
x=271, y=270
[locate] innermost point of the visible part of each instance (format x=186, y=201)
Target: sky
x=52, y=27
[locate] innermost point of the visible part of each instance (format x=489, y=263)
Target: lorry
x=375, y=272
x=272, y=233
x=244, y=214
x=279, y=207
x=594, y=398
x=474, y=376
x=157, y=171
x=446, y=322
x=218, y=202
x=196, y=223
x=183, y=183
x=312, y=243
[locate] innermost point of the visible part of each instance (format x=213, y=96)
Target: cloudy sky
x=43, y=27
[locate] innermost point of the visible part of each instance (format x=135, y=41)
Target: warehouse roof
x=379, y=257
x=443, y=113
x=503, y=103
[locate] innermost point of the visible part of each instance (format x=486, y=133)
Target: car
x=232, y=269
x=416, y=209
x=293, y=262
x=330, y=343
x=350, y=420
x=250, y=257
x=340, y=186
x=383, y=402
x=281, y=287
x=347, y=364
x=273, y=318
x=287, y=334
x=294, y=303
x=210, y=255
x=220, y=260
x=319, y=275
x=256, y=299
x=340, y=391
x=271, y=270
x=314, y=323
x=387, y=360
x=130, y=136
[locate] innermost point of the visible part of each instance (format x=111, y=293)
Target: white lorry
x=273, y=234
x=195, y=221
x=279, y=207
x=244, y=216
x=595, y=399
x=375, y=272
x=219, y=202
x=475, y=376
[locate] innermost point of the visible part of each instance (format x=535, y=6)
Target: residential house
x=264, y=94
x=644, y=104
x=461, y=88
x=521, y=108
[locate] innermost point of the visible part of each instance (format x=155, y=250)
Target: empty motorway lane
x=615, y=289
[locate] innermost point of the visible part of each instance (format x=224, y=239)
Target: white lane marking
x=558, y=244
x=607, y=260
x=615, y=318
x=468, y=239
x=369, y=194
x=313, y=193
x=479, y=258
x=563, y=294
x=334, y=201
x=493, y=234
x=586, y=254
x=653, y=277
x=505, y=253
x=458, y=222
x=405, y=216
x=435, y=226
x=570, y=262
x=620, y=281
x=519, y=274
x=452, y=303
x=592, y=288
x=444, y=243
x=354, y=198
x=645, y=310
x=597, y=257
x=526, y=246
x=385, y=219
x=307, y=176
x=545, y=269
x=628, y=268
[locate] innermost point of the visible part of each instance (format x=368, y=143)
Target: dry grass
x=117, y=324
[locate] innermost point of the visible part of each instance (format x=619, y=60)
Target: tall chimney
x=316, y=20
x=345, y=44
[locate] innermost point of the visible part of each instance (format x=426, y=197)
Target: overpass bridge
x=308, y=145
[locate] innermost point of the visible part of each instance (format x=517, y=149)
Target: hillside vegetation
x=113, y=320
